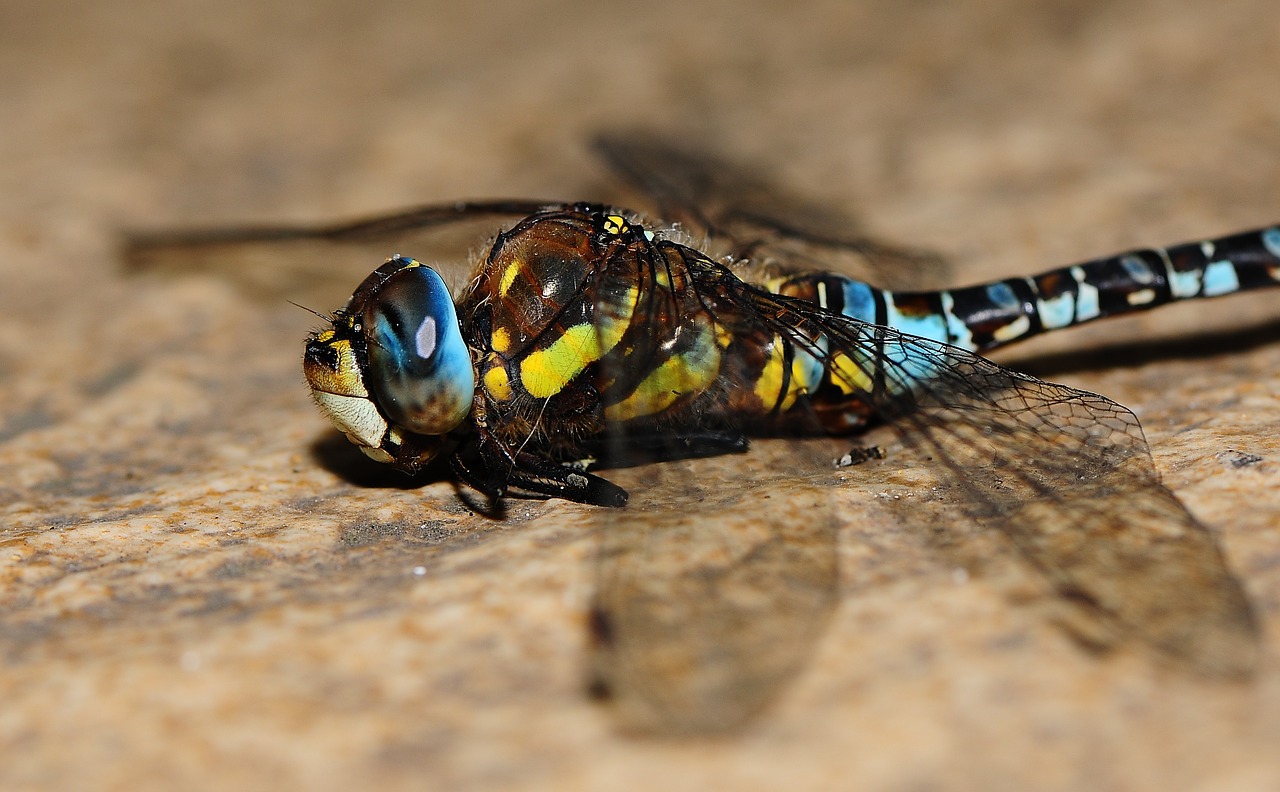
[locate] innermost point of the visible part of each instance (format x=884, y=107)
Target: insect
x=588, y=333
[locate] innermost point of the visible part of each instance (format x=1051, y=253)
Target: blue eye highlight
x=420, y=369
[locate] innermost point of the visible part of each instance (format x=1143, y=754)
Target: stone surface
x=200, y=587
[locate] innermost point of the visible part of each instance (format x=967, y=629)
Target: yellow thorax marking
x=545, y=371
x=509, y=277
x=686, y=374
x=501, y=340
x=615, y=224
x=497, y=383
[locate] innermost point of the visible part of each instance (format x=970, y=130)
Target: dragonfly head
x=393, y=372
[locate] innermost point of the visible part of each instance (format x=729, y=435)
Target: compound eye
x=420, y=369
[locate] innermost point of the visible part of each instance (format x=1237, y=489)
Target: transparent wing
x=754, y=220
x=709, y=599
x=718, y=580
x=712, y=587
x=319, y=264
x=1064, y=474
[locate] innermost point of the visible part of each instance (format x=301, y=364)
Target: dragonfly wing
x=752, y=218
x=314, y=264
x=714, y=583
x=1064, y=474
x=706, y=608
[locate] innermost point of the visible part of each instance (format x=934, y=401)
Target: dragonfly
x=589, y=337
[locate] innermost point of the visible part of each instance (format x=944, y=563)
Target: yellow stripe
x=500, y=340
x=688, y=373
x=612, y=318
x=849, y=375
x=769, y=385
x=509, y=277
x=543, y=372
x=497, y=383
x=656, y=393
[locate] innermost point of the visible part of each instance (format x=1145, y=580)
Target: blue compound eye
x=419, y=367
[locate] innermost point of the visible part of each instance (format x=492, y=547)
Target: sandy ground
x=202, y=589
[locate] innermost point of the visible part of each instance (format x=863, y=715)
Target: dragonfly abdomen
x=989, y=315
x=838, y=380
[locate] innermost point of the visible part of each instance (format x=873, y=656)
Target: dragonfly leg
x=645, y=447
x=496, y=470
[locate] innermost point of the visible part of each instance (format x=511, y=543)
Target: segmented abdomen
x=990, y=315
x=978, y=318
